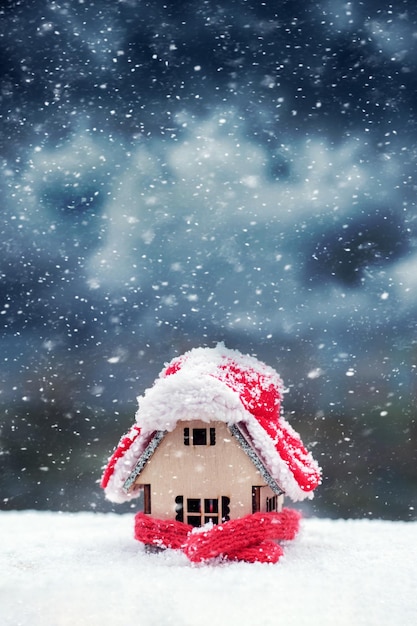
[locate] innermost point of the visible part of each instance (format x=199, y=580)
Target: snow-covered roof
x=217, y=384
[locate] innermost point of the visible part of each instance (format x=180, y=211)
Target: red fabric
x=251, y=538
x=161, y=533
x=291, y=449
x=257, y=393
x=265, y=552
x=123, y=446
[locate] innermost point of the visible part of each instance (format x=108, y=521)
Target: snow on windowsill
x=86, y=569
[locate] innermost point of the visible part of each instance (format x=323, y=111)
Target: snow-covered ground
x=86, y=569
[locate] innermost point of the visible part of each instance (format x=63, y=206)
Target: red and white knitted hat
x=223, y=385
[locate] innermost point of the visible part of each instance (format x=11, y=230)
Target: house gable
x=187, y=428
x=187, y=462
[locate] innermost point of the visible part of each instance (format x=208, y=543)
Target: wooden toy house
x=210, y=444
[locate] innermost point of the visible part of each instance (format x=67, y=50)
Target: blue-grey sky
x=177, y=173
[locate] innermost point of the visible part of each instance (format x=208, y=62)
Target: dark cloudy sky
x=177, y=173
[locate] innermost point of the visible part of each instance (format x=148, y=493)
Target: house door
x=200, y=511
x=256, y=498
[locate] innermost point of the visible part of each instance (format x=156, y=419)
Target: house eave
x=238, y=432
x=143, y=459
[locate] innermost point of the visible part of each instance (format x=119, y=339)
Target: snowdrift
x=86, y=569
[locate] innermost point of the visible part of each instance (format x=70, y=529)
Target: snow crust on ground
x=59, y=569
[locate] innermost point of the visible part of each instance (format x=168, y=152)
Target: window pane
x=211, y=505
x=200, y=436
x=193, y=505
x=186, y=436
x=212, y=436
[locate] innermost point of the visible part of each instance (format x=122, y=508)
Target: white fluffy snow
x=86, y=569
x=204, y=385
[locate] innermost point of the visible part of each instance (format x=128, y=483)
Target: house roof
x=217, y=384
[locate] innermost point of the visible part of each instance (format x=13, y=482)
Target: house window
x=272, y=504
x=200, y=436
x=199, y=511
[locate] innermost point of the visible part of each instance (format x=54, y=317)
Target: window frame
x=196, y=511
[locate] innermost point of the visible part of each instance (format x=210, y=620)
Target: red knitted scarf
x=251, y=538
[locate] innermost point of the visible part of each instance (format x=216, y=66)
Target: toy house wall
x=181, y=469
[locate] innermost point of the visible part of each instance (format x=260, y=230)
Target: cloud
x=202, y=216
